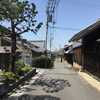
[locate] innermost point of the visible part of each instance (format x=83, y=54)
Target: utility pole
x=52, y=36
x=50, y=13
x=46, y=41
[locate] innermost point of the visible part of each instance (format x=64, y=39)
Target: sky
x=71, y=14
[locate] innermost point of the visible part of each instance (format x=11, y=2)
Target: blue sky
x=76, y=14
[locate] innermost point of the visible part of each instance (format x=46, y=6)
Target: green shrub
x=20, y=63
x=23, y=70
x=8, y=77
x=42, y=62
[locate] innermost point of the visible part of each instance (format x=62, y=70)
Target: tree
x=21, y=16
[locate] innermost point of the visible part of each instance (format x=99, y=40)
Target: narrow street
x=39, y=40
x=60, y=83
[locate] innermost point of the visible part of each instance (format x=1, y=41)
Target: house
x=26, y=53
x=39, y=49
x=24, y=49
x=5, y=53
x=68, y=53
x=77, y=55
x=86, y=49
x=31, y=50
x=39, y=43
x=23, y=52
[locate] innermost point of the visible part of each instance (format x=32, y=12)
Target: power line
x=84, y=3
x=65, y=28
x=50, y=12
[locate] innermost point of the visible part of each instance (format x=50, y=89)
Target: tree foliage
x=21, y=13
x=21, y=17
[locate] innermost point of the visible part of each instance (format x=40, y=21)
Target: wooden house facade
x=87, y=56
x=77, y=55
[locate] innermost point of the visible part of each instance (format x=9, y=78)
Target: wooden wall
x=77, y=58
x=91, y=52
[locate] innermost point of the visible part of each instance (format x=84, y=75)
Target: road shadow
x=50, y=85
x=29, y=89
x=34, y=97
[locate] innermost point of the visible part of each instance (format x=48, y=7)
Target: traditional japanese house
x=77, y=55
x=68, y=53
x=87, y=55
x=25, y=50
x=39, y=47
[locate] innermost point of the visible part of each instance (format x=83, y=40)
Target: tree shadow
x=51, y=85
x=35, y=97
x=27, y=89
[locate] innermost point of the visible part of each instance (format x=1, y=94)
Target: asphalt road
x=60, y=83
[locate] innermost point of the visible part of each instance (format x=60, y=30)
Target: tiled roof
x=92, y=28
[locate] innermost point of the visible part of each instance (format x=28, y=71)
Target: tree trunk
x=13, y=47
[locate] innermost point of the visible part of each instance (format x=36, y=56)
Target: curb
x=90, y=79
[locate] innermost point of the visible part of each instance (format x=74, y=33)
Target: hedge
x=42, y=62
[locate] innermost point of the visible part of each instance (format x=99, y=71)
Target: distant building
x=40, y=43
x=68, y=53
x=40, y=49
